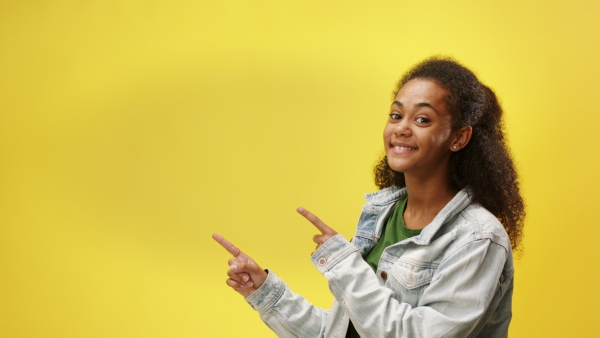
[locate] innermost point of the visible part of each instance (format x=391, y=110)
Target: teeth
x=403, y=148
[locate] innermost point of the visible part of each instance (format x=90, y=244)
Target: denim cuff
x=332, y=252
x=268, y=293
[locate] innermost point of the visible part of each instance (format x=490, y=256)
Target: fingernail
x=233, y=268
x=245, y=278
x=249, y=284
x=300, y=209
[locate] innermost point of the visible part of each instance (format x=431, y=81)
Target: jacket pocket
x=412, y=275
x=408, y=280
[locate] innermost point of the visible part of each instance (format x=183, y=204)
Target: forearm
x=285, y=312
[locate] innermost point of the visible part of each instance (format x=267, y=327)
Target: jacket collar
x=392, y=194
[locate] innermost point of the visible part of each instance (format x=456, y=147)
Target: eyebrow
x=422, y=104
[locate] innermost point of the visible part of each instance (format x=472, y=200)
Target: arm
x=452, y=305
x=286, y=313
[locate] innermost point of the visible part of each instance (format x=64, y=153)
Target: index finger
x=315, y=221
x=232, y=249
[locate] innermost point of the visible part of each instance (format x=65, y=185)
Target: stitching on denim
x=285, y=324
x=339, y=257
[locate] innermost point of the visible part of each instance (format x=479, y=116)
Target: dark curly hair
x=484, y=166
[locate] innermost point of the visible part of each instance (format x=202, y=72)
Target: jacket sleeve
x=285, y=312
x=451, y=306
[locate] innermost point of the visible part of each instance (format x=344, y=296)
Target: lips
x=402, y=148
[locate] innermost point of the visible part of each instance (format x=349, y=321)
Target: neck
x=426, y=197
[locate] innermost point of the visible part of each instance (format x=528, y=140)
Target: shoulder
x=478, y=223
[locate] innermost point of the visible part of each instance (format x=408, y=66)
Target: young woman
x=432, y=253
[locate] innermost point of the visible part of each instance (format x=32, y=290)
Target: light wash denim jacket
x=455, y=279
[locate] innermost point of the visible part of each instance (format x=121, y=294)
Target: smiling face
x=418, y=137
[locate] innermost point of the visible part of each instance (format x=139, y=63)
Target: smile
x=404, y=148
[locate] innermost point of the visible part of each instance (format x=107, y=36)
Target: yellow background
x=132, y=130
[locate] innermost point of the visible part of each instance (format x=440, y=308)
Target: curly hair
x=484, y=167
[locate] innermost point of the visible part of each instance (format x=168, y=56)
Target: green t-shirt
x=394, y=231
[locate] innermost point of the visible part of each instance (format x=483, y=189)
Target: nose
x=402, y=128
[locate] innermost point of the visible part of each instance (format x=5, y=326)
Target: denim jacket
x=455, y=279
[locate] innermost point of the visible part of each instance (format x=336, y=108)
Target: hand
x=245, y=276
x=326, y=232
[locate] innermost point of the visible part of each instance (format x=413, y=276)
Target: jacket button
x=322, y=261
x=384, y=275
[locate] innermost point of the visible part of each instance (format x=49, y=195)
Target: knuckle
x=233, y=276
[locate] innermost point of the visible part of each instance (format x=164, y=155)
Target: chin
x=397, y=167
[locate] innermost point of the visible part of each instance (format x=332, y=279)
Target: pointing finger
x=232, y=249
x=315, y=221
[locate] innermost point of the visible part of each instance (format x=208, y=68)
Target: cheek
x=387, y=132
x=441, y=138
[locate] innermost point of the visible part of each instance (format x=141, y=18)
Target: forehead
x=421, y=90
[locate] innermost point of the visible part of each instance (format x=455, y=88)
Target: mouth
x=399, y=148
x=402, y=149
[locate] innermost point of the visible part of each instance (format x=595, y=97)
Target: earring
x=454, y=146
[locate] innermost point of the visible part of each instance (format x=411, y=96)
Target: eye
x=395, y=116
x=422, y=120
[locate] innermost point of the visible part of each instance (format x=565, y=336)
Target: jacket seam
x=281, y=321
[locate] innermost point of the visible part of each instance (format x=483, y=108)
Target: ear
x=461, y=138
